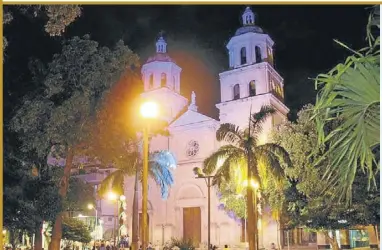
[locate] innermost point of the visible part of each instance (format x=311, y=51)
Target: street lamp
x=91, y=207
x=207, y=178
x=149, y=110
x=114, y=197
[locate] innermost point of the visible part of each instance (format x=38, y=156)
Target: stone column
x=373, y=240
x=321, y=241
x=344, y=239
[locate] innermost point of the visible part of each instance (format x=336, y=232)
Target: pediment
x=190, y=118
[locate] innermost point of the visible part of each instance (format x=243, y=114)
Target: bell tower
x=251, y=80
x=161, y=80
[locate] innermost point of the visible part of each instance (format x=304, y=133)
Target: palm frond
x=258, y=118
x=269, y=166
x=229, y=133
x=161, y=164
x=164, y=158
x=374, y=20
x=114, y=181
x=279, y=152
x=350, y=95
x=211, y=163
x=230, y=165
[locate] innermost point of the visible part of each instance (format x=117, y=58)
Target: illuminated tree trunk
x=377, y=234
x=251, y=215
x=64, y=184
x=332, y=240
x=278, y=221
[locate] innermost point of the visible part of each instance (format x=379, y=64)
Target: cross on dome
x=161, y=44
x=248, y=17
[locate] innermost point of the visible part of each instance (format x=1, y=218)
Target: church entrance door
x=192, y=225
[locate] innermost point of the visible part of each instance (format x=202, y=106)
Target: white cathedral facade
x=250, y=82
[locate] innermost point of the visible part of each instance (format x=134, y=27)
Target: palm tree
x=349, y=98
x=244, y=159
x=160, y=165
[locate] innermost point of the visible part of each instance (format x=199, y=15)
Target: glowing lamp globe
x=254, y=184
x=122, y=198
x=111, y=196
x=149, y=110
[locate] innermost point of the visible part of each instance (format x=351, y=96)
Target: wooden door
x=192, y=224
x=141, y=226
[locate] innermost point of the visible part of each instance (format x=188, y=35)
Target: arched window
x=151, y=81
x=258, y=54
x=252, y=88
x=236, y=92
x=173, y=82
x=270, y=56
x=163, y=80
x=243, y=56
x=273, y=86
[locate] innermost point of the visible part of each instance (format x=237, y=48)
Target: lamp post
x=207, y=178
x=149, y=110
x=113, y=197
x=90, y=207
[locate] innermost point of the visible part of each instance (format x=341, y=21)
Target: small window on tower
x=163, y=80
x=273, y=86
x=252, y=88
x=270, y=56
x=173, y=83
x=243, y=56
x=258, y=54
x=236, y=92
x=151, y=81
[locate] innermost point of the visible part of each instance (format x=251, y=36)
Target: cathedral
x=250, y=82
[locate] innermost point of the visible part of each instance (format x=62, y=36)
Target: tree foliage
x=75, y=230
x=161, y=164
x=232, y=200
x=80, y=194
x=349, y=94
x=243, y=159
x=75, y=83
x=308, y=202
x=58, y=16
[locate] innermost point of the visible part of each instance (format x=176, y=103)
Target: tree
x=349, y=95
x=75, y=230
x=322, y=214
x=243, y=159
x=19, y=207
x=307, y=204
x=160, y=165
x=59, y=16
x=60, y=115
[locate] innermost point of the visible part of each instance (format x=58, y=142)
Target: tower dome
x=248, y=23
x=161, y=52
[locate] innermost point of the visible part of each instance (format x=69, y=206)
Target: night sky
x=196, y=37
